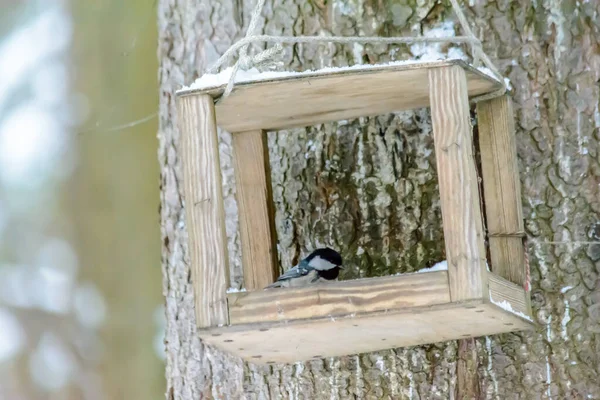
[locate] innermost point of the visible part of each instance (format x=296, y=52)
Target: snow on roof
x=207, y=81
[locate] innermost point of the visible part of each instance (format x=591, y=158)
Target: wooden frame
x=287, y=325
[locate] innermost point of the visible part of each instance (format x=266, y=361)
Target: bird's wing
x=301, y=269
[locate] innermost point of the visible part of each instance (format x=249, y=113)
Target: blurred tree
x=368, y=187
x=42, y=342
x=115, y=189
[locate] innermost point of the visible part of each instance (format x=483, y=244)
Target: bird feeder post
x=459, y=192
x=256, y=210
x=205, y=218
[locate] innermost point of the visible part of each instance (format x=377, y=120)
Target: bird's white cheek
x=321, y=264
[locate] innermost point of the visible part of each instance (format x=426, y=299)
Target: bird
x=321, y=265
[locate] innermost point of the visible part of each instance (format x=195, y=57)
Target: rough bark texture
x=368, y=187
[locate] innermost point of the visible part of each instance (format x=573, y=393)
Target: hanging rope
x=527, y=285
x=246, y=62
x=538, y=242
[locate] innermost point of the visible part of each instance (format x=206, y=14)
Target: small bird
x=320, y=266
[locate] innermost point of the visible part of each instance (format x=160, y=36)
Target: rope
x=245, y=61
x=537, y=241
x=243, y=58
x=526, y=240
x=337, y=39
x=541, y=241
x=527, y=285
x=509, y=234
x=566, y=242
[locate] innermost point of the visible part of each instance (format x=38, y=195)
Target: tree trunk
x=368, y=187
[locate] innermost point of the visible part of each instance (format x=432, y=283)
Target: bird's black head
x=326, y=261
x=326, y=254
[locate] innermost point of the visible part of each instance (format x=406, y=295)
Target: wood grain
x=299, y=340
x=504, y=290
x=205, y=218
x=311, y=99
x=339, y=298
x=256, y=211
x=459, y=193
x=501, y=188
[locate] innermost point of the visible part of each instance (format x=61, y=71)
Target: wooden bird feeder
x=350, y=317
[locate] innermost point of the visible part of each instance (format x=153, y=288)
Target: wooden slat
x=501, y=187
x=299, y=340
x=310, y=99
x=205, y=218
x=459, y=193
x=338, y=298
x=504, y=290
x=256, y=211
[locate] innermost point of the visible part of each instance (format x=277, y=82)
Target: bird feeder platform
x=350, y=317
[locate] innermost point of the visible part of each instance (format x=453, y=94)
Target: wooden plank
x=338, y=298
x=459, y=192
x=502, y=290
x=256, y=211
x=299, y=340
x=205, y=218
x=314, y=98
x=502, y=188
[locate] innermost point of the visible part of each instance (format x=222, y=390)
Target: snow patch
x=566, y=289
x=358, y=375
x=208, y=81
x=334, y=364
x=506, y=305
x=298, y=370
x=357, y=51
x=433, y=51
x=393, y=376
x=565, y=320
x=582, y=141
x=548, y=369
x=236, y=290
x=490, y=369
x=489, y=73
x=441, y=266
x=379, y=363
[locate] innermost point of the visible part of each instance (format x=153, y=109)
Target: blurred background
x=80, y=280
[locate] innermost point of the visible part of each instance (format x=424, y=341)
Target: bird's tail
x=273, y=285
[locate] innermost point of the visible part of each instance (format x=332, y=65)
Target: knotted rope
x=244, y=61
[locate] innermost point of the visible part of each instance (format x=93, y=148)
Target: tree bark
x=368, y=187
